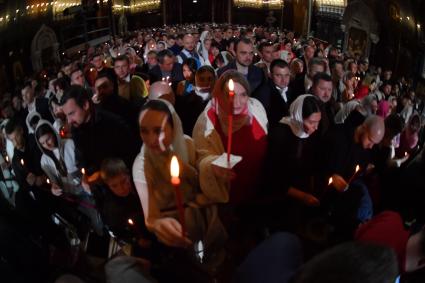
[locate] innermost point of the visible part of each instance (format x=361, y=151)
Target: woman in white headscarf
x=292, y=151
x=162, y=135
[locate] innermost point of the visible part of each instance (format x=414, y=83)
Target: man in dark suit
x=167, y=68
x=33, y=104
x=243, y=64
x=275, y=94
x=302, y=84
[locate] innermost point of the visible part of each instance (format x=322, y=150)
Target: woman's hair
x=160, y=106
x=310, y=106
x=42, y=130
x=393, y=125
x=112, y=167
x=222, y=85
x=191, y=63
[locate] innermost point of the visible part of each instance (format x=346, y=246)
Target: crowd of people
x=297, y=162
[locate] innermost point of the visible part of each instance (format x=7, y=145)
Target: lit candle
x=405, y=153
x=83, y=171
x=330, y=181
x=230, y=125
x=175, y=181
x=354, y=175
x=48, y=181
x=7, y=159
x=91, y=69
x=22, y=162
x=130, y=221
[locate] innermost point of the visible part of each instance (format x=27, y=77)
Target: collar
x=127, y=79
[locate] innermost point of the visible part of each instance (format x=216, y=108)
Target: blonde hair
x=222, y=86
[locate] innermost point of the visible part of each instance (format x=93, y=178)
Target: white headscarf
x=179, y=144
x=295, y=118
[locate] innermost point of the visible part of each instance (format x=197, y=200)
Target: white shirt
x=242, y=69
x=282, y=92
x=31, y=107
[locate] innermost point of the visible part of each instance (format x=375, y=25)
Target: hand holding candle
x=230, y=122
x=175, y=181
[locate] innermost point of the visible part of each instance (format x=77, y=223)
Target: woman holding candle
x=59, y=164
x=292, y=151
x=249, y=140
x=162, y=135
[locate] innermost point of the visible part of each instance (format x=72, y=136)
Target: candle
x=175, y=181
x=230, y=124
x=48, y=181
x=22, y=162
x=330, y=181
x=354, y=175
x=130, y=221
x=405, y=153
x=83, y=171
x=7, y=159
x=91, y=69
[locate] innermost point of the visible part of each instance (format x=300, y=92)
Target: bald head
x=189, y=42
x=161, y=90
x=371, y=131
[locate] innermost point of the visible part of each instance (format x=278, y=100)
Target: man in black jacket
x=167, y=69
x=243, y=64
x=39, y=104
x=97, y=134
x=275, y=94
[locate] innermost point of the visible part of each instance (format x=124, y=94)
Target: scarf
x=295, y=118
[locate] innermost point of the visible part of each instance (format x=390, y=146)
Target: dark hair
x=75, y=70
x=12, y=125
x=310, y=106
x=394, y=124
x=352, y=262
x=122, y=58
x=264, y=44
x=112, y=167
x=278, y=63
x=206, y=68
x=42, y=130
x=160, y=106
x=34, y=121
x=242, y=40
x=78, y=93
x=163, y=53
x=191, y=63
x=321, y=77
x=62, y=83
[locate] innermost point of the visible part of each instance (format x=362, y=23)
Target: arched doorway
x=44, y=49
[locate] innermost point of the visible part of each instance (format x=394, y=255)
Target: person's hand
x=169, y=231
x=339, y=183
x=56, y=190
x=224, y=174
x=310, y=200
x=31, y=179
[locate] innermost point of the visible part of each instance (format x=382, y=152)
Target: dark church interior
x=212, y=141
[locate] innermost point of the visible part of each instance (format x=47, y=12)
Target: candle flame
x=405, y=154
x=174, y=168
x=357, y=168
x=330, y=181
x=91, y=69
x=7, y=159
x=130, y=221
x=48, y=181
x=231, y=85
x=22, y=162
x=83, y=171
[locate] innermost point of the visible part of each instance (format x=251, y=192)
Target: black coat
x=176, y=74
x=104, y=136
x=189, y=107
x=298, y=87
x=255, y=75
x=42, y=107
x=273, y=102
